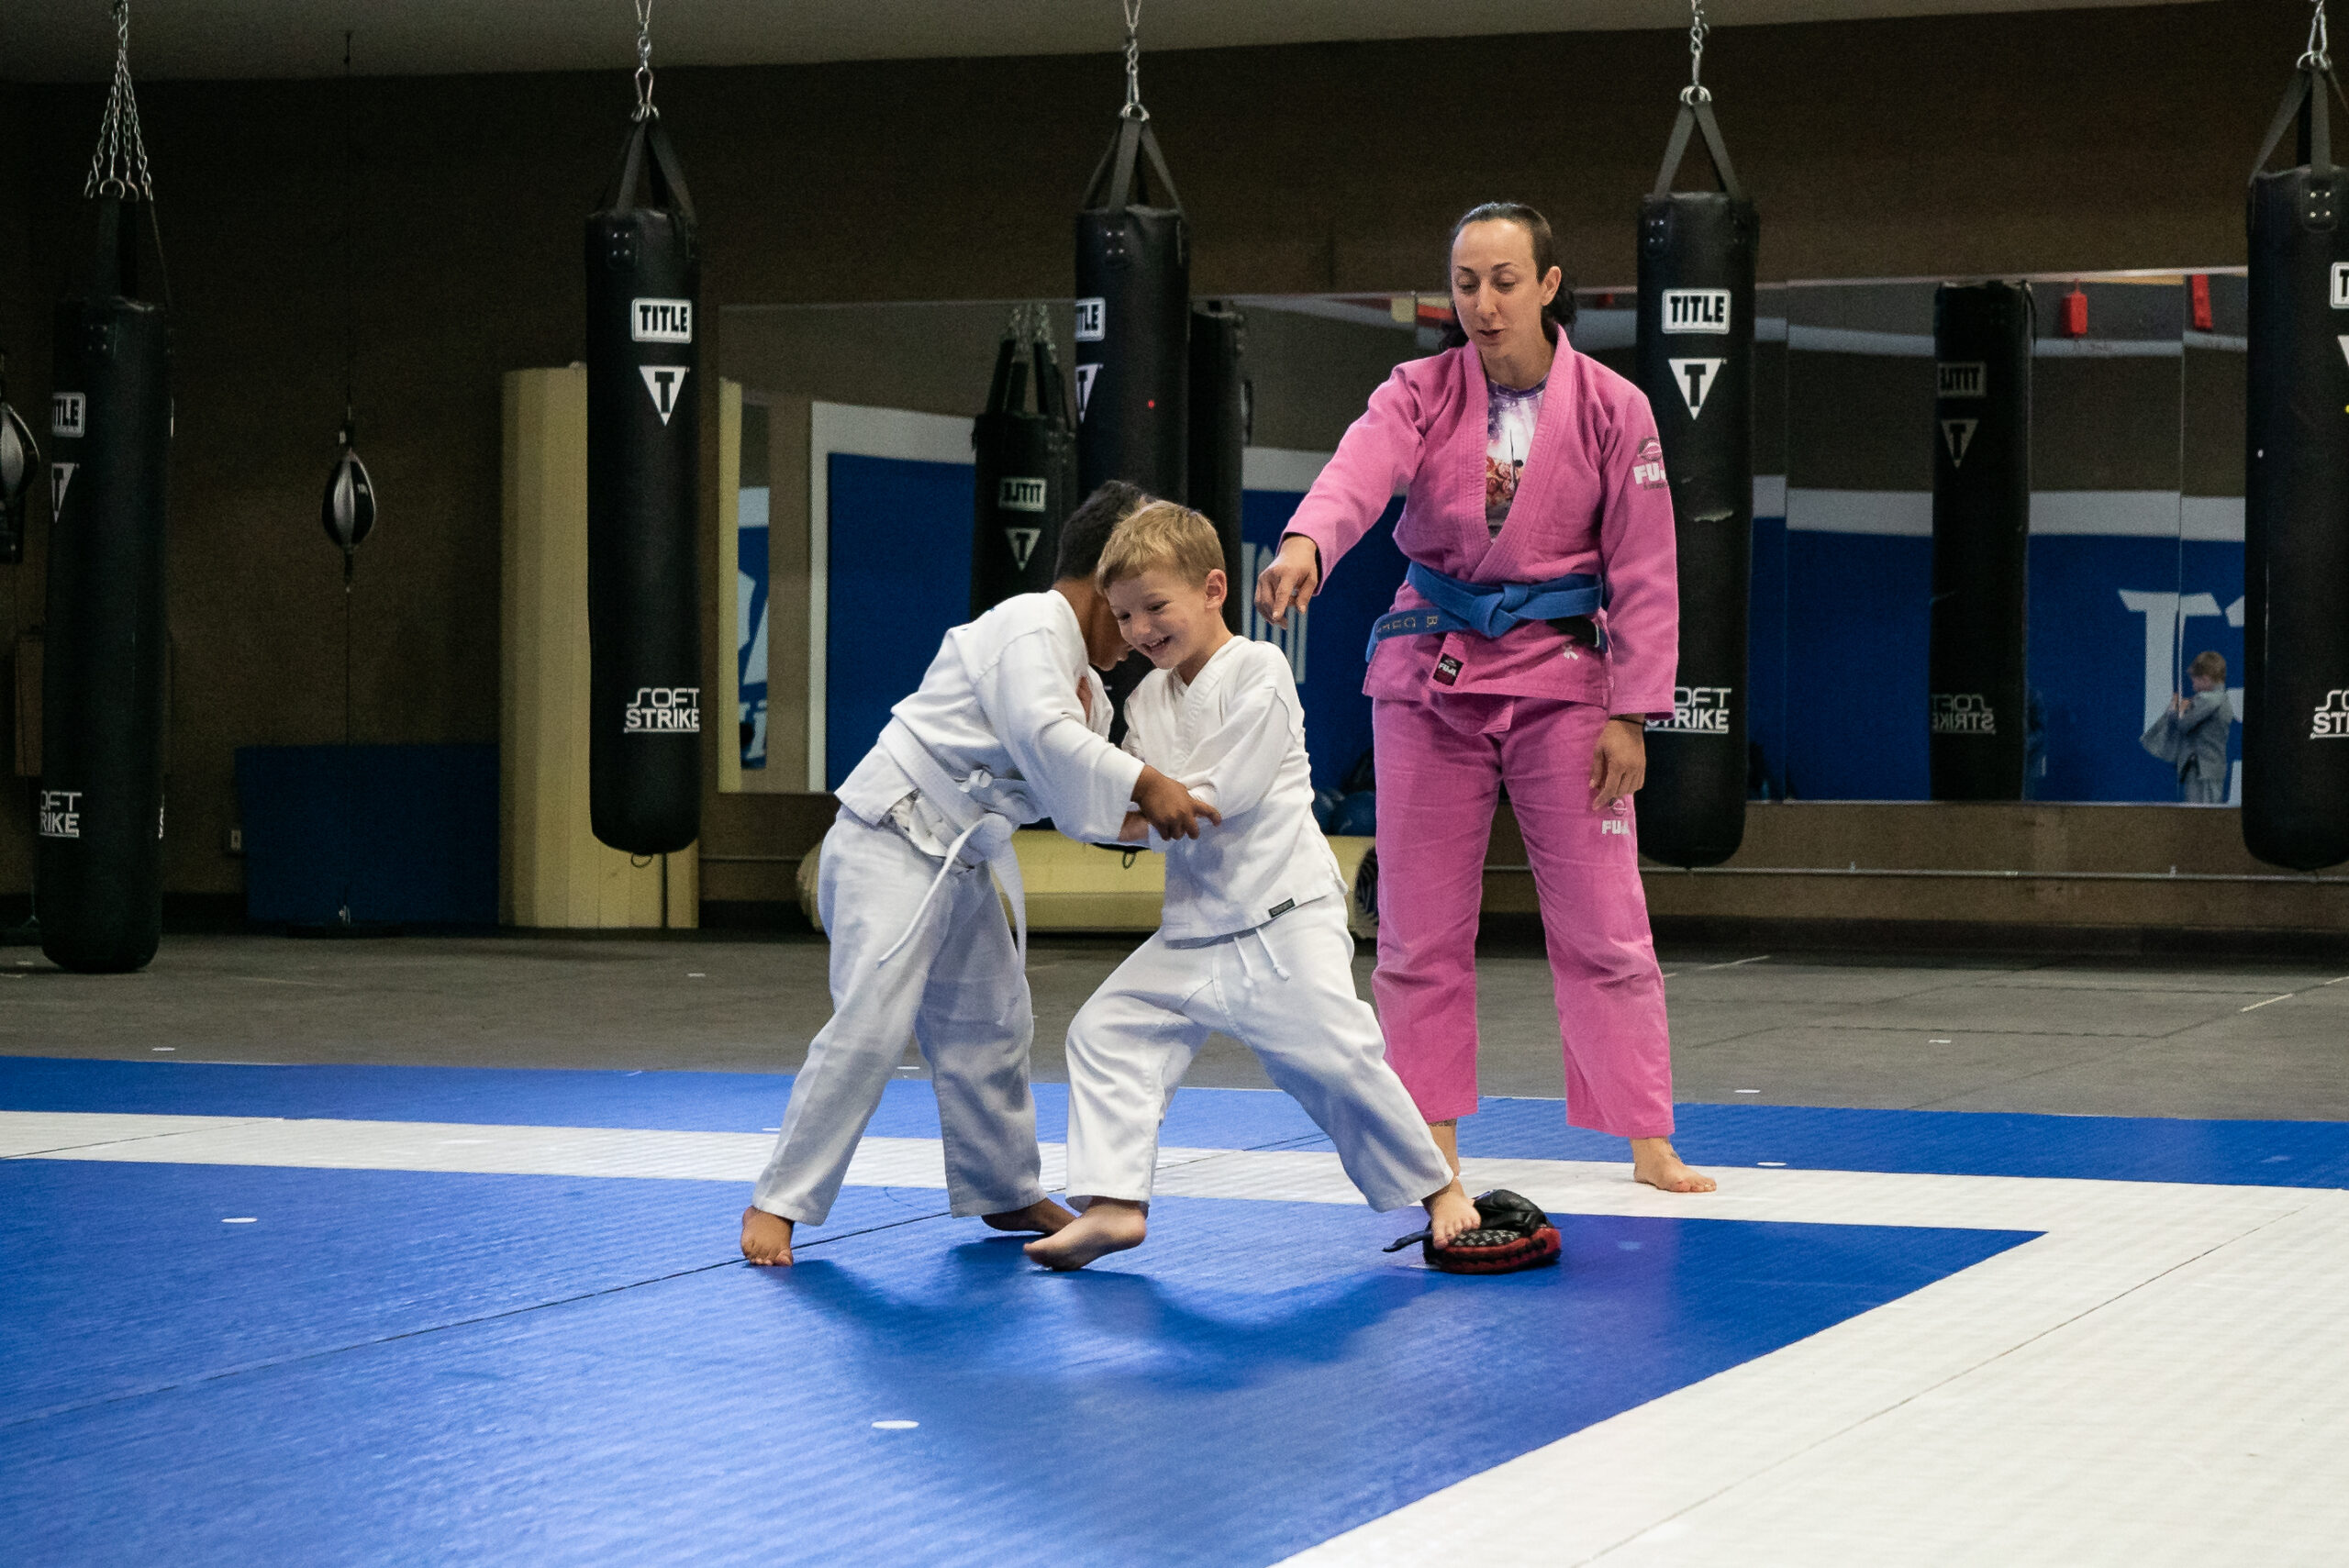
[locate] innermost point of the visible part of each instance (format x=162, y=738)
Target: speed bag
x=2296, y=522
x=1218, y=436
x=1695, y=361
x=1977, y=647
x=98, y=886
x=643, y=485
x=1133, y=318
x=1024, y=482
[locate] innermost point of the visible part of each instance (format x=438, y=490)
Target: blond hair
x=2210, y=665
x=1163, y=535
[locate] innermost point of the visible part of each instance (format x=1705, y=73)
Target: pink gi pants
x=1441, y=762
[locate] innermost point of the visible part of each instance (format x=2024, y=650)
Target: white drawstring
x=1240, y=950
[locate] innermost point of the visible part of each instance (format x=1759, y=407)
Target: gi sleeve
x=1082, y=781
x=1378, y=457
x=1636, y=552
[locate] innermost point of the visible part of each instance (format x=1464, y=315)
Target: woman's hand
x=1293, y=578
x=1619, y=764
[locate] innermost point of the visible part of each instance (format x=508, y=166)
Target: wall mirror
x=851, y=523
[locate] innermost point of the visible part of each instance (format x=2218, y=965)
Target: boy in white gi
x=1009, y=724
x=1252, y=940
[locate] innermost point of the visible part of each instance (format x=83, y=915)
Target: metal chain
x=1133, y=109
x=644, y=109
x=118, y=166
x=1694, y=92
x=2319, y=52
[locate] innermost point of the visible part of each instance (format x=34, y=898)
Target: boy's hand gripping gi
x=1514, y=1235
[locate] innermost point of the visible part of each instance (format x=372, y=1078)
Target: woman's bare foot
x=1044, y=1215
x=1653, y=1161
x=1449, y=1212
x=767, y=1238
x=1108, y=1225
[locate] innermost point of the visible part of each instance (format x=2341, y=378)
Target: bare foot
x=1044, y=1215
x=1449, y=1212
x=1106, y=1226
x=1653, y=1161
x=767, y=1238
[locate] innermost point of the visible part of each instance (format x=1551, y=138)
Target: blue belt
x=1489, y=609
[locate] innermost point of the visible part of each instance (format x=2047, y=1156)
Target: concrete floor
x=2071, y=1036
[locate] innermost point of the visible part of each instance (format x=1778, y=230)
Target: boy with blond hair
x=1252, y=940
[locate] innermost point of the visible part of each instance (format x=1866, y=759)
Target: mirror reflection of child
x=2195, y=731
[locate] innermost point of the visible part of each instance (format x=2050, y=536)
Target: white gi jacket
x=1235, y=737
x=1001, y=698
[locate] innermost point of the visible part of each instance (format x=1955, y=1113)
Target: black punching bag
x=1133, y=318
x=1695, y=361
x=1220, y=419
x=1025, y=468
x=1979, y=631
x=2296, y=499
x=98, y=891
x=643, y=495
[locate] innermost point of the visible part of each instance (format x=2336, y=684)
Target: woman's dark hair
x=1545, y=256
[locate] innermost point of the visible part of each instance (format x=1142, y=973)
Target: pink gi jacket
x=1593, y=499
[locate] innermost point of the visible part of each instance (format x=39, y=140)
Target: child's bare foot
x=1653, y=1161
x=767, y=1238
x=1044, y=1215
x=1449, y=1212
x=1106, y=1226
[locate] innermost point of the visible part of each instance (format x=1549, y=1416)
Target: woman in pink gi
x=1535, y=495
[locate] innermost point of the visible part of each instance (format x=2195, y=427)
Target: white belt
x=985, y=833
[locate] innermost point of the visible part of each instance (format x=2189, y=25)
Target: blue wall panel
x=407, y=834
x=1855, y=665
x=900, y=578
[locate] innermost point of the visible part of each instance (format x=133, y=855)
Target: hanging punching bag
x=1978, y=636
x=1695, y=361
x=1219, y=435
x=2296, y=495
x=1133, y=316
x=1025, y=468
x=98, y=891
x=643, y=495
x=19, y=461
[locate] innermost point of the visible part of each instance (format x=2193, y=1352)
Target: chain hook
x=2318, y=56
x=118, y=166
x=1133, y=109
x=644, y=109
x=1698, y=26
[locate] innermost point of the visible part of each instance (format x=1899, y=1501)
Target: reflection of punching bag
x=643, y=483
x=1978, y=633
x=1133, y=316
x=1695, y=361
x=19, y=460
x=1219, y=419
x=1025, y=463
x=99, y=887
x=2296, y=498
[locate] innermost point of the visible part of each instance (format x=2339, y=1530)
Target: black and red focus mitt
x=1513, y=1235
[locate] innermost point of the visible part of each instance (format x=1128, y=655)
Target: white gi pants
x=1286, y=991
x=956, y=986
